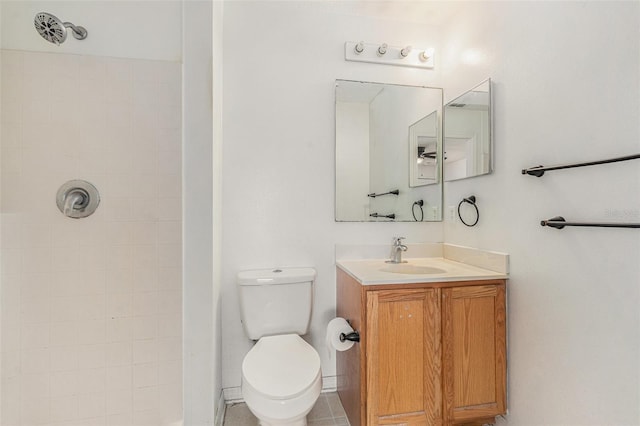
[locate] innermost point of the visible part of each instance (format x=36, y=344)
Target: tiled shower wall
x=91, y=308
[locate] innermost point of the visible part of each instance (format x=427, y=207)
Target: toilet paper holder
x=352, y=337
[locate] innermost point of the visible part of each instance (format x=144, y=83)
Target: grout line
x=324, y=420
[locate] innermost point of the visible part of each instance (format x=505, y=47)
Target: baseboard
x=234, y=395
x=221, y=409
x=329, y=383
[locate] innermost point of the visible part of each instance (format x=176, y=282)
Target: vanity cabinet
x=429, y=353
x=474, y=354
x=403, y=357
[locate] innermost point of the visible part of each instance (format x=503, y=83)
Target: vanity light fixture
x=382, y=53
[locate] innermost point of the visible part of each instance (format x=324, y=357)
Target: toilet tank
x=276, y=301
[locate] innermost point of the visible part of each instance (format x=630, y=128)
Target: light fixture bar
x=403, y=56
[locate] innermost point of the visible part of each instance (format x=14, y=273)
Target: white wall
x=566, y=88
x=352, y=160
x=217, y=101
x=128, y=29
x=392, y=113
x=201, y=291
x=281, y=60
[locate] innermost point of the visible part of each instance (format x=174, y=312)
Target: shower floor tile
x=328, y=411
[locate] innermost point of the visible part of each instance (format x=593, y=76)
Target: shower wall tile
x=92, y=308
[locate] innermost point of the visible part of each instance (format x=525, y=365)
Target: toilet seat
x=281, y=367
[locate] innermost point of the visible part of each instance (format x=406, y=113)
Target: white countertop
x=372, y=271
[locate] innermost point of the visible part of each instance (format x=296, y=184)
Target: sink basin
x=404, y=268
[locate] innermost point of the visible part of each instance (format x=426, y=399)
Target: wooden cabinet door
x=403, y=357
x=474, y=352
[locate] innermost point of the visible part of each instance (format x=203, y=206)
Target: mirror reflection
x=388, y=150
x=467, y=134
x=424, y=154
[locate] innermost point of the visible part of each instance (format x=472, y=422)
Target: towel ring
x=471, y=200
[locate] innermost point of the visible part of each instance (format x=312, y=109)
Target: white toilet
x=281, y=377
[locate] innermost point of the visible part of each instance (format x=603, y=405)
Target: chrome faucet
x=396, y=250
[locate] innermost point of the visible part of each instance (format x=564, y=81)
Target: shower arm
x=79, y=33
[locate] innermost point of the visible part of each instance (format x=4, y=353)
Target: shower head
x=54, y=30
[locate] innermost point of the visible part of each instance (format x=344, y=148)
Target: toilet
x=281, y=376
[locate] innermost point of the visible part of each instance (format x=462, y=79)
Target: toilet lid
x=281, y=367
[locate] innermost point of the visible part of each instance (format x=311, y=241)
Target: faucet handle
x=397, y=240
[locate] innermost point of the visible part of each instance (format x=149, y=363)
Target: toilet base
x=299, y=422
x=273, y=412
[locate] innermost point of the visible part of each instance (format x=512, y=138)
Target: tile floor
x=328, y=411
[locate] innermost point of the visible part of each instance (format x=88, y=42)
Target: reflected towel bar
x=374, y=195
x=559, y=222
x=539, y=170
x=389, y=216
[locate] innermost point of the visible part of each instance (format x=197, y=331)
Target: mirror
x=467, y=134
x=424, y=149
x=388, y=150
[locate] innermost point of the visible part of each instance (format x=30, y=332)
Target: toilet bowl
x=281, y=380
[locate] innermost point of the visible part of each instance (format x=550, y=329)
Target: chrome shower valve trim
x=77, y=199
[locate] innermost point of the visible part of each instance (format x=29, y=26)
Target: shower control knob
x=77, y=199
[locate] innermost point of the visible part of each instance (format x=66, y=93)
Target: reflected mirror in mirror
x=467, y=134
x=424, y=151
x=388, y=151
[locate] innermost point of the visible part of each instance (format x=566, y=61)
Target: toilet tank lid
x=276, y=276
